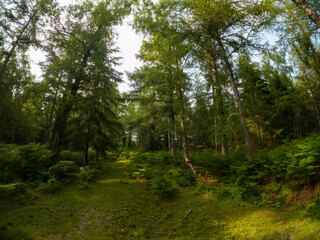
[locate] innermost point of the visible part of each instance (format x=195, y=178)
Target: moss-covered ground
x=118, y=208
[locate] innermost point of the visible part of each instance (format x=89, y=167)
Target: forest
x=217, y=137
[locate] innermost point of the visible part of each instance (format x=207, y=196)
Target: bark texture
x=308, y=11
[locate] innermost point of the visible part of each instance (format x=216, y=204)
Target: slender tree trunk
x=49, y=130
x=224, y=146
x=169, y=136
x=215, y=133
x=308, y=11
x=173, y=147
x=239, y=103
x=215, y=111
x=183, y=133
x=86, y=160
x=172, y=130
x=219, y=108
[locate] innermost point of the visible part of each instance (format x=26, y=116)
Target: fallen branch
x=190, y=210
x=52, y=211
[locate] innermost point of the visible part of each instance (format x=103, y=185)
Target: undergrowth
x=277, y=177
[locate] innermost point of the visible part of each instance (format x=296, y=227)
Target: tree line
x=210, y=79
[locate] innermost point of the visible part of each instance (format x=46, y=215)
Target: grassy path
x=117, y=208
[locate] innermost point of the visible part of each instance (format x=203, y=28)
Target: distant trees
x=213, y=41
x=209, y=81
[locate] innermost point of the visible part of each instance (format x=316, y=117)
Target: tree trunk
x=173, y=148
x=239, y=103
x=183, y=133
x=63, y=115
x=58, y=130
x=308, y=11
x=224, y=145
x=215, y=133
x=169, y=136
x=86, y=160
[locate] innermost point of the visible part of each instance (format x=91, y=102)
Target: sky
x=128, y=43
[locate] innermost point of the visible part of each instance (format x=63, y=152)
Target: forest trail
x=117, y=208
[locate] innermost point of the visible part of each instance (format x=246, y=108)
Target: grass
x=117, y=208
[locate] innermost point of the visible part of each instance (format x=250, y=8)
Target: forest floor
x=115, y=207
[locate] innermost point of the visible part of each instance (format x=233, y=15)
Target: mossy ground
x=117, y=208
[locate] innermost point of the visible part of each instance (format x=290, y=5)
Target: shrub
x=11, y=163
x=12, y=189
x=248, y=191
x=183, y=177
x=88, y=174
x=37, y=160
x=76, y=157
x=203, y=188
x=164, y=186
x=62, y=170
x=313, y=209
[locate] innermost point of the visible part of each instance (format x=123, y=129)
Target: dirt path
x=117, y=208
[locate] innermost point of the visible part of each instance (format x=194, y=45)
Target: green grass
x=118, y=208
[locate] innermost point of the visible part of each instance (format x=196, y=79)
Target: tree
x=167, y=47
x=81, y=48
x=19, y=26
x=308, y=11
x=231, y=26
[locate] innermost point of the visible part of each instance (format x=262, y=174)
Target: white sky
x=128, y=43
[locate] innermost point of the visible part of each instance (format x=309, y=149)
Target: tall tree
x=166, y=46
x=19, y=26
x=232, y=27
x=82, y=47
x=311, y=13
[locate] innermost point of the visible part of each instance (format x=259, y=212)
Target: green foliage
x=12, y=189
x=9, y=232
x=27, y=162
x=248, y=191
x=11, y=163
x=313, y=209
x=297, y=160
x=204, y=188
x=88, y=174
x=62, y=170
x=164, y=186
x=36, y=161
x=75, y=157
x=183, y=177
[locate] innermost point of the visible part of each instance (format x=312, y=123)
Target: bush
x=27, y=162
x=76, y=157
x=11, y=163
x=313, y=209
x=248, y=191
x=62, y=170
x=12, y=189
x=37, y=160
x=88, y=174
x=203, y=188
x=183, y=177
x=164, y=186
